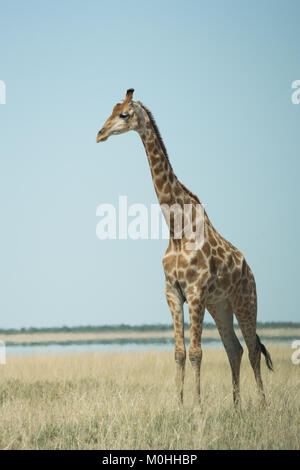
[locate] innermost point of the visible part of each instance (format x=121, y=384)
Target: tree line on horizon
x=125, y=327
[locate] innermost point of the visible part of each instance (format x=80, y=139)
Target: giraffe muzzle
x=101, y=136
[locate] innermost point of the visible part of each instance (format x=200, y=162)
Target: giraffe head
x=124, y=118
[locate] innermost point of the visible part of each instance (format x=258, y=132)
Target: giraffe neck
x=168, y=188
x=170, y=192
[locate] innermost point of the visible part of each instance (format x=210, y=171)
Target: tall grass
x=127, y=401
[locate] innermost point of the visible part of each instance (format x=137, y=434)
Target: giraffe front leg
x=175, y=302
x=196, y=312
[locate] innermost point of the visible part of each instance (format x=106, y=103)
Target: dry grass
x=126, y=401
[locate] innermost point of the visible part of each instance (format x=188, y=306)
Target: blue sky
x=217, y=77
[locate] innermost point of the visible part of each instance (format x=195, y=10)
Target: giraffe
x=215, y=276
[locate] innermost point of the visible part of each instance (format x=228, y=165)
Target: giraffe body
x=214, y=276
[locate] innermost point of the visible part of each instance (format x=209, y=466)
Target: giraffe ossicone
x=207, y=272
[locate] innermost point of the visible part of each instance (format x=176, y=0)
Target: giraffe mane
x=157, y=132
x=159, y=137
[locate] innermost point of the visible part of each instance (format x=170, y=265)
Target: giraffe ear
x=129, y=94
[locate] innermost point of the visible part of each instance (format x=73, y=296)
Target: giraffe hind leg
x=245, y=308
x=222, y=314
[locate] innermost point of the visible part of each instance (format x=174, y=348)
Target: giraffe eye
x=124, y=115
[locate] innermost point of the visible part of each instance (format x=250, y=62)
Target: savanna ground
x=126, y=401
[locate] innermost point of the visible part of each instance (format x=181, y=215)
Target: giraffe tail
x=266, y=354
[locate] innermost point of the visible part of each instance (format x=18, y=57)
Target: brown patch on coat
x=191, y=275
x=206, y=249
x=221, y=252
x=159, y=183
x=169, y=262
x=182, y=262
